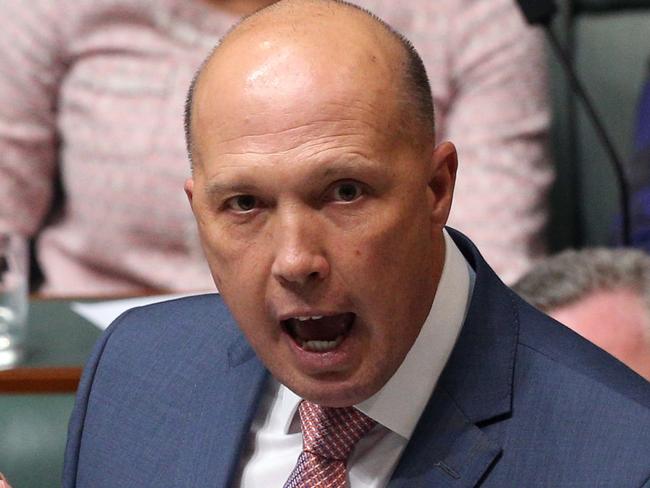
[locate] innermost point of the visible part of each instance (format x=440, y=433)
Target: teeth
x=322, y=346
x=315, y=317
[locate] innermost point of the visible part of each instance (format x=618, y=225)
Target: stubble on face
x=309, y=204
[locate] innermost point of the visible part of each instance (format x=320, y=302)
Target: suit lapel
x=219, y=421
x=447, y=447
x=445, y=450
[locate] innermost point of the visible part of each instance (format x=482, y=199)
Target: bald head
x=331, y=51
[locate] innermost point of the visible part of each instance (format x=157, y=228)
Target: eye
x=242, y=203
x=346, y=191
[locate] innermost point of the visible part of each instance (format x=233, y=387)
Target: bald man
x=356, y=341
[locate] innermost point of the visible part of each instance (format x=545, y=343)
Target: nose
x=299, y=255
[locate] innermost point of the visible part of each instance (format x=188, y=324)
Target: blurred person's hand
x=3, y=482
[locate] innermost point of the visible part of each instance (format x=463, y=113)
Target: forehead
x=271, y=83
x=305, y=155
x=301, y=127
x=317, y=132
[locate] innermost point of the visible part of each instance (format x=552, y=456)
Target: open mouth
x=319, y=333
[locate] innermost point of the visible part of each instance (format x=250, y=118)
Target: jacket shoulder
x=556, y=345
x=173, y=332
x=579, y=417
x=156, y=372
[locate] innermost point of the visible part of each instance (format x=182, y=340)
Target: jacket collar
x=479, y=374
x=219, y=418
x=448, y=448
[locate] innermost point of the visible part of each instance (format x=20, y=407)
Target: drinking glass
x=13, y=297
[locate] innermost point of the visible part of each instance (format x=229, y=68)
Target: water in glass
x=13, y=298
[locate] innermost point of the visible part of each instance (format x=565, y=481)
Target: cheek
x=393, y=242
x=391, y=267
x=239, y=268
x=383, y=257
x=223, y=242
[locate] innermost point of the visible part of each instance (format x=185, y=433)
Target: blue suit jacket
x=170, y=390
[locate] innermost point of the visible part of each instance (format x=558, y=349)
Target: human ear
x=444, y=163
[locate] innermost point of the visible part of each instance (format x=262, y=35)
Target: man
x=602, y=294
x=321, y=202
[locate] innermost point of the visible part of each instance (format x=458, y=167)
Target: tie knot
x=332, y=432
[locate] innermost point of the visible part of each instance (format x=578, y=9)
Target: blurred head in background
x=602, y=294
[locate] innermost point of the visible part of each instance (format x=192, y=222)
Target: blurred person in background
x=3, y=482
x=91, y=94
x=602, y=294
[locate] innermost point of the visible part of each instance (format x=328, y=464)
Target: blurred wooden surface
x=40, y=380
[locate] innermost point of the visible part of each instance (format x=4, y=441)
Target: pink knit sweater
x=93, y=90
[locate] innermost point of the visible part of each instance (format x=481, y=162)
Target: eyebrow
x=216, y=188
x=342, y=168
x=353, y=162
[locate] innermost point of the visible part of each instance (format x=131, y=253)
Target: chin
x=334, y=394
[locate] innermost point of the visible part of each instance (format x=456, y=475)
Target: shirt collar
x=400, y=402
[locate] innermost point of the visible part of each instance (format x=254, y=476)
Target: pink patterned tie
x=328, y=437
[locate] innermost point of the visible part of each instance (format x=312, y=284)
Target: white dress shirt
x=275, y=441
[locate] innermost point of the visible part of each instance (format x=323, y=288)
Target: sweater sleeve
x=31, y=67
x=499, y=118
